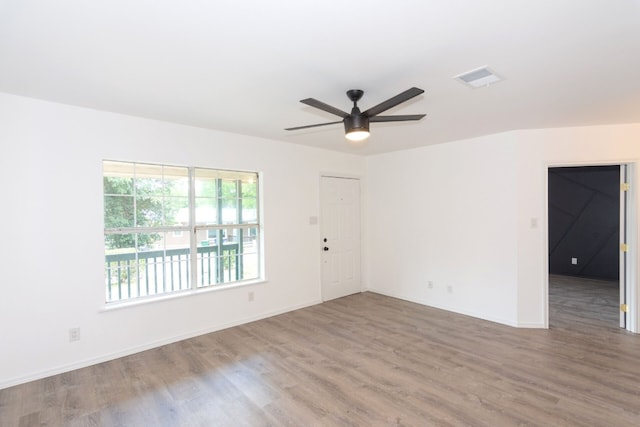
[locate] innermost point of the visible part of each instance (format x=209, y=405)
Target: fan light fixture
x=357, y=135
x=356, y=126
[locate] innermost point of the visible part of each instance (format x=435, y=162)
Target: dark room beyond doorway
x=584, y=215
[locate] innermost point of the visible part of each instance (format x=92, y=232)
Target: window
x=171, y=229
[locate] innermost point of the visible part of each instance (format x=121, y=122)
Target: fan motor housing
x=356, y=122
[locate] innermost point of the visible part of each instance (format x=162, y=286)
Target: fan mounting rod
x=355, y=95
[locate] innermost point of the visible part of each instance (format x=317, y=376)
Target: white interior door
x=340, y=236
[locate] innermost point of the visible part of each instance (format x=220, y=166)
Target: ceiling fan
x=356, y=123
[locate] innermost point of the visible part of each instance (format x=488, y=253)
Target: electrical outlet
x=450, y=289
x=74, y=334
x=430, y=284
x=250, y=296
x=574, y=261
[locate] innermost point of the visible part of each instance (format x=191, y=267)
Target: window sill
x=117, y=305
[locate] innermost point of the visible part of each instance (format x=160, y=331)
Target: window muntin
x=148, y=208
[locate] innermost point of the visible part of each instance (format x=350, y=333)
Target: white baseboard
x=477, y=315
x=531, y=325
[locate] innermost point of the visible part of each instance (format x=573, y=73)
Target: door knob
x=326, y=248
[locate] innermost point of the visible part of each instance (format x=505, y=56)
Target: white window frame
x=196, y=254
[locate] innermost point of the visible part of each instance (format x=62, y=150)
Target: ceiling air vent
x=479, y=77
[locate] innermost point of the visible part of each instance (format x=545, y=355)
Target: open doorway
x=585, y=265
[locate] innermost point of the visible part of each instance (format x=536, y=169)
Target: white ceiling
x=243, y=66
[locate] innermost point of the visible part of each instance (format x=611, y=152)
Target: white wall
x=460, y=215
x=51, y=256
x=446, y=214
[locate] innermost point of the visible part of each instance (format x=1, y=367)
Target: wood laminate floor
x=583, y=303
x=364, y=360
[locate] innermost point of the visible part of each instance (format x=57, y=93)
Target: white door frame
x=624, y=238
x=633, y=257
x=632, y=293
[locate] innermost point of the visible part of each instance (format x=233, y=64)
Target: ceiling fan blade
x=313, y=126
x=404, y=118
x=325, y=107
x=392, y=102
